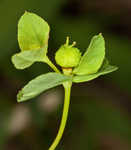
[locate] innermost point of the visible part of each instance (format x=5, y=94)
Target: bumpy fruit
x=68, y=56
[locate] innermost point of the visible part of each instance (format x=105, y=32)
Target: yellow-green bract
x=105, y=69
x=33, y=34
x=41, y=84
x=93, y=58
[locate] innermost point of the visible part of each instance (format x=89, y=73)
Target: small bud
x=68, y=55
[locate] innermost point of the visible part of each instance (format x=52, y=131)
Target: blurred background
x=100, y=110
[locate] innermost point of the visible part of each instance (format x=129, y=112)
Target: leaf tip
x=19, y=96
x=116, y=68
x=101, y=35
x=26, y=11
x=13, y=61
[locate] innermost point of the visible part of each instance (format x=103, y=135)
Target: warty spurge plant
x=33, y=34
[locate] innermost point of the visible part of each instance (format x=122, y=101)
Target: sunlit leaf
x=25, y=59
x=40, y=84
x=105, y=69
x=93, y=58
x=33, y=32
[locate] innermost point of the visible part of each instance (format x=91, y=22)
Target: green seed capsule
x=67, y=55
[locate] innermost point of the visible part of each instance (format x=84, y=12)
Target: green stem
x=67, y=87
x=48, y=61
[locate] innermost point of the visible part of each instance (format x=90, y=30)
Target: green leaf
x=40, y=84
x=93, y=58
x=105, y=69
x=33, y=32
x=25, y=59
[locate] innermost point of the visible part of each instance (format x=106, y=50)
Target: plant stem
x=67, y=87
x=48, y=61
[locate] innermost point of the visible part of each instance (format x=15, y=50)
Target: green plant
x=33, y=34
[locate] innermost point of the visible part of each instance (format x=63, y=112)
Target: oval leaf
x=40, y=84
x=93, y=58
x=33, y=32
x=105, y=69
x=25, y=59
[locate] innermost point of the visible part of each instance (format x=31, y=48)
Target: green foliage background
x=99, y=117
